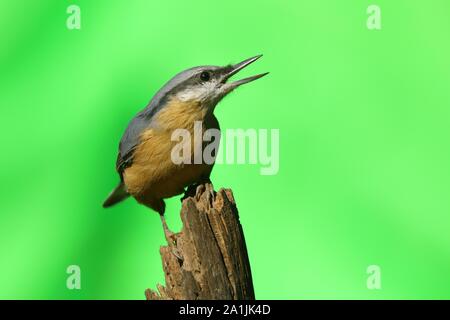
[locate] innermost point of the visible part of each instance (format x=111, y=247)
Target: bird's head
x=205, y=85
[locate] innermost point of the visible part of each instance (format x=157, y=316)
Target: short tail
x=117, y=195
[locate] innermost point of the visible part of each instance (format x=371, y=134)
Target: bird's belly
x=153, y=174
x=174, y=184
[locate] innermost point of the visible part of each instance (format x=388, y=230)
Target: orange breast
x=153, y=174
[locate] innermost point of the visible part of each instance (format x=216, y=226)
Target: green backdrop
x=364, y=156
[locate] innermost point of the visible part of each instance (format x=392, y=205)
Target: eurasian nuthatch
x=144, y=161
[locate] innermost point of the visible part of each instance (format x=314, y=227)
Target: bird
x=144, y=162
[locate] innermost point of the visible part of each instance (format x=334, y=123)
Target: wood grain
x=209, y=259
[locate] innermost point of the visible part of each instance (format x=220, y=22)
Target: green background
x=364, y=156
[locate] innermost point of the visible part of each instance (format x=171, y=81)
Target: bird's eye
x=205, y=76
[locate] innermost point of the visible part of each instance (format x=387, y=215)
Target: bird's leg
x=208, y=190
x=207, y=187
x=211, y=192
x=160, y=206
x=170, y=236
x=199, y=189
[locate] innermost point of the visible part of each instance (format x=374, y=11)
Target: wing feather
x=131, y=139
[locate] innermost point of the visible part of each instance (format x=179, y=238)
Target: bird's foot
x=171, y=239
x=195, y=190
x=189, y=192
x=170, y=236
x=208, y=190
x=199, y=191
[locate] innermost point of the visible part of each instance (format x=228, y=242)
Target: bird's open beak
x=235, y=69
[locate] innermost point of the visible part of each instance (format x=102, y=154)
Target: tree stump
x=209, y=257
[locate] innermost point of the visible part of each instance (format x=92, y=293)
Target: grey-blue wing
x=137, y=125
x=130, y=140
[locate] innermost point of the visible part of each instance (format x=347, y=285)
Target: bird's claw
x=208, y=190
x=199, y=191
x=177, y=254
x=209, y=195
x=170, y=237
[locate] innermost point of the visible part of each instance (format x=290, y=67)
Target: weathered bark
x=209, y=259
